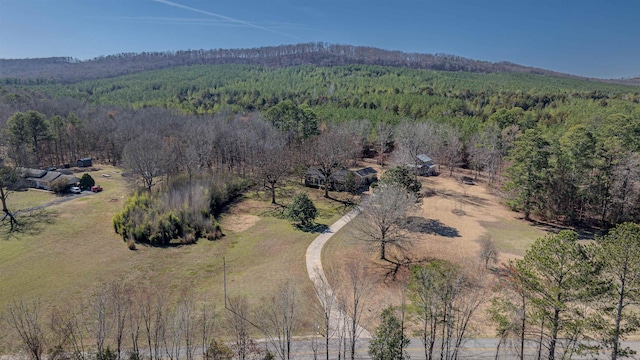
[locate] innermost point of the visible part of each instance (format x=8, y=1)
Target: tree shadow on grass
x=400, y=266
x=314, y=229
x=584, y=232
x=464, y=198
x=418, y=224
x=31, y=223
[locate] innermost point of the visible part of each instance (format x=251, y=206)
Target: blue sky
x=582, y=37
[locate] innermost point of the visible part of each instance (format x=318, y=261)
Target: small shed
x=85, y=162
x=424, y=165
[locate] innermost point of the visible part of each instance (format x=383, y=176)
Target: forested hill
x=69, y=70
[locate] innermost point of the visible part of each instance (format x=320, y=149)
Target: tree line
x=66, y=69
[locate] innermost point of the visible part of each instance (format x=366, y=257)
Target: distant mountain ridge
x=69, y=70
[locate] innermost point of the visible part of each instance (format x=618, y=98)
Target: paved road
x=316, y=274
x=481, y=349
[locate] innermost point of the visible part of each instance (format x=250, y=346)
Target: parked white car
x=76, y=190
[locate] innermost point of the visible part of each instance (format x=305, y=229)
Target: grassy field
x=513, y=237
x=21, y=200
x=78, y=251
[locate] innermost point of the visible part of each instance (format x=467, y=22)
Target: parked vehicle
x=96, y=188
x=76, y=190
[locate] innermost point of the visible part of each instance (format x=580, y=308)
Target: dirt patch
x=239, y=222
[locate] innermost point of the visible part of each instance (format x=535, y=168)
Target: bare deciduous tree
x=413, y=139
x=26, y=320
x=327, y=310
x=238, y=325
x=444, y=301
x=120, y=306
x=450, y=151
x=272, y=162
x=147, y=158
x=279, y=317
x=384, y=141
x=8, y=179
x=383, y=215
x=488, y=252
x=352, y=297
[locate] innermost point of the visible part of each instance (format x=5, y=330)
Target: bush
x=302, y=212
x=218, y=351
x=59, y=186
x=158, y=219
x=86, y=182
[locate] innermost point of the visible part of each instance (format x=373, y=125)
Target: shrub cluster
x=185, y=211
x=150, y=219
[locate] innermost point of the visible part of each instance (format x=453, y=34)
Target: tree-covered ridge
x=347, y=92
x=68, y=70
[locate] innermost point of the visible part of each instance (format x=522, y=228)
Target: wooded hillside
x=67, y=69
x=567, y=148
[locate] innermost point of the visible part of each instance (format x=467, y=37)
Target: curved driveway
x=316, y=273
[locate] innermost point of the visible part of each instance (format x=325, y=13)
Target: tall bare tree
x=327, y=310
x=147, y=158
x=352, y=297
x=383, y=216
x=279, y=317
x=272, y=162
x=8, y=180
x=239, y=326
x=26, y=320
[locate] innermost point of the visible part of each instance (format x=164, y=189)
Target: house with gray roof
x=43, y=179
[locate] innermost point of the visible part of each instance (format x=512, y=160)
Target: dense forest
x=560, y=148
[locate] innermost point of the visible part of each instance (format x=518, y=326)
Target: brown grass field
x=76, y=249
x=451, y=221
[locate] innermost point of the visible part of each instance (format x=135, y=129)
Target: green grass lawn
x=21, y=200
x=79, y=250
x=512, y=236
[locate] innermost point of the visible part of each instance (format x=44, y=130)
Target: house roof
x=424, y=158
x=50, y=176
x=314, y=172
x=31, y=173
x=71, y=179
x=366, y=171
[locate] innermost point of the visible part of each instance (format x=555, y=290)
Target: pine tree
x=389, y=342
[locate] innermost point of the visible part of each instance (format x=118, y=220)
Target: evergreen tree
x=302, y=211
x=389, y=342
x=559, y=278
x=527, y=173
x=402, y=177
x=619, y=254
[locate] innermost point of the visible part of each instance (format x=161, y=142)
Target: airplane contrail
x=230, y=19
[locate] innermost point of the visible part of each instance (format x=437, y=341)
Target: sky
x=582, y=37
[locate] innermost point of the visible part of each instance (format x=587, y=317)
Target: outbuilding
x=85, y=162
